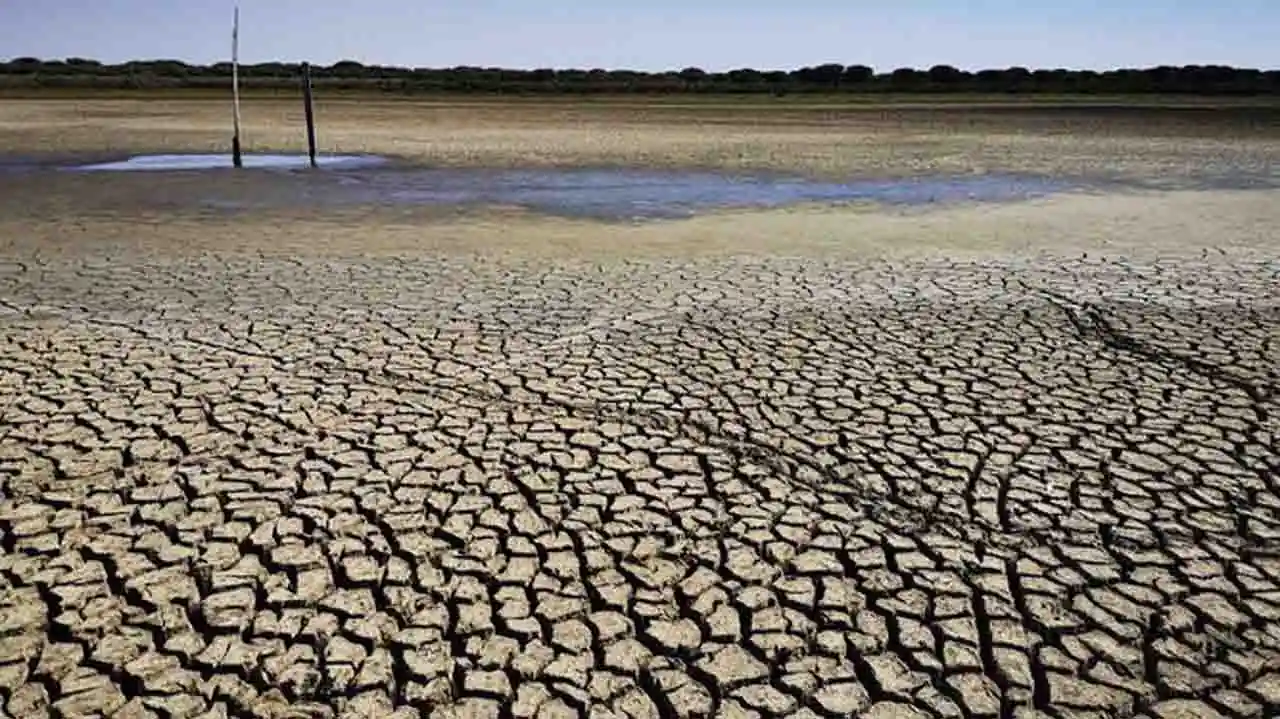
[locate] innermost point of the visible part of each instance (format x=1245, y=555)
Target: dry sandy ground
x=990, y=461
x=817, y=138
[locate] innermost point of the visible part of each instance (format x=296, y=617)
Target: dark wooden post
x=236, y=159
x=311, y=116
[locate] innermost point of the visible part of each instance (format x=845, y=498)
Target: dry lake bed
x=265, y=456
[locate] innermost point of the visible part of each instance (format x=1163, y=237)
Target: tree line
x=27, y=72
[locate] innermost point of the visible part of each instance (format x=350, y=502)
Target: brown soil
x=816, y=138
x=991, y=461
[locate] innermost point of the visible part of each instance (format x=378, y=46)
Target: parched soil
x=1177, y=145
x=984, y=461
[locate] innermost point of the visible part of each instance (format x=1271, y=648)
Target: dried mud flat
x=1013, y=461
x=1178, y=146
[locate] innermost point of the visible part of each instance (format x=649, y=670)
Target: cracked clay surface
x=236, y=485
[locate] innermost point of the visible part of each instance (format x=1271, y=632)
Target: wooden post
x=236, y=158
x=310, y=112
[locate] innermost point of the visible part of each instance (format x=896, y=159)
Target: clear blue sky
x=658, y=34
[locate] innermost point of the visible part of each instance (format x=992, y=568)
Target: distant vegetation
x=832, y=78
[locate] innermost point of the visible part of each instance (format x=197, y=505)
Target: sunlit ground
x=957, y=459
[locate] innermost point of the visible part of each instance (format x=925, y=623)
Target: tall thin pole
x=236, y=158
x=311, y=116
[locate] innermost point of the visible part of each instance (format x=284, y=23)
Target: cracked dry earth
x=311, y=487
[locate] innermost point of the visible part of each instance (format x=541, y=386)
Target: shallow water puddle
x=631, y=193
x=154, y=163
x=603, y=193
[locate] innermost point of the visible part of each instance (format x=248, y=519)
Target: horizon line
x=879, y=71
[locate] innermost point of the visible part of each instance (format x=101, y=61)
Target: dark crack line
x=1090, y=322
